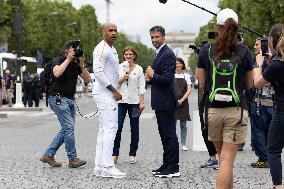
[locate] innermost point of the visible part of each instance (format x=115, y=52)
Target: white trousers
x=108, y=124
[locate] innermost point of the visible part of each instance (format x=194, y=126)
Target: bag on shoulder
x=46, y=79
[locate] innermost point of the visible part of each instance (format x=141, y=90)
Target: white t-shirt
x=105, y=67
x=185, y=76
x=134, y=87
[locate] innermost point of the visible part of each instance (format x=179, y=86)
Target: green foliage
x=258, y=15
x=48, y=24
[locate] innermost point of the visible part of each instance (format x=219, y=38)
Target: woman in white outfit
x=132, y=87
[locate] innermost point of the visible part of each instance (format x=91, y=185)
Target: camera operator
x=65, y=68
x=212, y=161
x=274, y=74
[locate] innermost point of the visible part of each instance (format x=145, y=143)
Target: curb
x=28, y=109
x=3, y=115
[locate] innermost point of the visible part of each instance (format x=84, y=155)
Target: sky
x=138, y=16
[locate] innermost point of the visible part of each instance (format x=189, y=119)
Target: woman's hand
x=180, y=101
x=126, y=76
x=141, y=106
x=259, y=59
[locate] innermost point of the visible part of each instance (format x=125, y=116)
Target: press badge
x=223, y=98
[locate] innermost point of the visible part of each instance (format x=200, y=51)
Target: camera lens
x=79, y=53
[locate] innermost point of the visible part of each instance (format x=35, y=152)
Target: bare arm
x=58, y=70
x=123, y=78
x=249, y=79
x=259, y=81
x=188, y=92
x=200, y=76
x=85, y=74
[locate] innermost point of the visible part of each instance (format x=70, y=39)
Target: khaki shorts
x=224, y=125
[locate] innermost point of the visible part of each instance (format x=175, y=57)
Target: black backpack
x=46, y=79
x=226, y=87
x=214, y=85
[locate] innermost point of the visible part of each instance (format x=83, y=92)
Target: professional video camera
x=75, y=45
x=196, y=48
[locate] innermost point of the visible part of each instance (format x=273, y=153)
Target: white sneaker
x=98, y=171
x=184, y=148
x=112, y=172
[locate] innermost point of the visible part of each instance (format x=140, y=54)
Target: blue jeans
x=134, y=127
x=275, y=145
x=65, y=113
x=183, y=132
x=260, y=124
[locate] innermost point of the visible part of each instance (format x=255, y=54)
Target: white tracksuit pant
x=108, y=124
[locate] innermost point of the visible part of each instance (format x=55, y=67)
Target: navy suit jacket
x=163, y=95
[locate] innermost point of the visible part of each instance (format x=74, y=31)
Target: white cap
x=225, y=14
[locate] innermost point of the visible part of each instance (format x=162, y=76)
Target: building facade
x=179, y=41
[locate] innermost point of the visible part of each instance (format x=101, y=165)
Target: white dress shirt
x=134, y=86
x=105, y=67
x=158, y=49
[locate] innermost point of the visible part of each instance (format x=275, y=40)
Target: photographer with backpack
x=65, y=71
x=224, y=71
x=274, y=74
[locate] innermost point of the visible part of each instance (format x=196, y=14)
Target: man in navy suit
x=164, y=101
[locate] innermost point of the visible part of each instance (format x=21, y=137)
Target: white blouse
x=185, y=76
x=134, y=86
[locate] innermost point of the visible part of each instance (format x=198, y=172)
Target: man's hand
x=117, y=96
x=71, y=55
x=149, y=72
x=147, y=78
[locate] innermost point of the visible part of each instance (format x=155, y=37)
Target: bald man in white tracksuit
x=105, y=94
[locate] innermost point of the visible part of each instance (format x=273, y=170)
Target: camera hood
x=72, y=43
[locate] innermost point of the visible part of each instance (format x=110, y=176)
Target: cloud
x=138, y=16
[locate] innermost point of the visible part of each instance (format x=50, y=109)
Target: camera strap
x=87, y=115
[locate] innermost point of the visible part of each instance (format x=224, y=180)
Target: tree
x=49, y=24
x=256, y=15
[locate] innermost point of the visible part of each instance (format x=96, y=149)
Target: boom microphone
x=163, y=1
x=202, y=8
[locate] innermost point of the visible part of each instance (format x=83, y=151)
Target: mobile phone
x=264, y=46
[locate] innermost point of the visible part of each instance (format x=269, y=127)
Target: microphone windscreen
x=163, y=1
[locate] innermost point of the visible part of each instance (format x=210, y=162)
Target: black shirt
x=65, y=85
x=274, y=74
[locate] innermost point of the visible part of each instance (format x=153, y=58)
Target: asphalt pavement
x=24, y=135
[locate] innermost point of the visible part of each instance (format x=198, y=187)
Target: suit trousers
x=167, y=130
x=108, y=124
